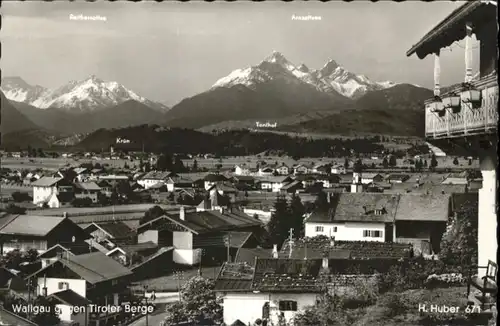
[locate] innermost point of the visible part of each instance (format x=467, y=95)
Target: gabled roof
x=88, y=186
x=422, y=207
x=156, y=175
x=11, y=319
x=30, y=225
x=236, y=239
x=215, y=177
x=452, y=28
x=69, y=297
x=80, y=170
x=358, y=207
x=130, y=249
x=248, y=255
x=370, y=175
x=115, y=229
x=211, y=221
x=93, y=267
x=46, y=182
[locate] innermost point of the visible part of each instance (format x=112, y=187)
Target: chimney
x=332, y=242
x=65, y=214
x=275, y=251
x=328, y=197
x=290, y=245
x=182, y=213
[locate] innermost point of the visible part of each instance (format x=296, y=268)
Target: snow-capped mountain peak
x=89, y=94
x=16, y=89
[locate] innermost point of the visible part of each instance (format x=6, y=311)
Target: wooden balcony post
x=468, y=52
x=437, y=74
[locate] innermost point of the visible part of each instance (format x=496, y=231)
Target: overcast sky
x=168, y=51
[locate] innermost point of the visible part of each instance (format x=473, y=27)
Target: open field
x=209, y=163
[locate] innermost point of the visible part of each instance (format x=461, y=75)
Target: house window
x=379, y=211
x=319, y=228
x=63, y=285
x=334, y=229
x=114, y=282
x=288, y=305
x=372, y=234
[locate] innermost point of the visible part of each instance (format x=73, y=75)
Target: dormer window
x=379, y=211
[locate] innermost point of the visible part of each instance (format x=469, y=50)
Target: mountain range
x=330, y=100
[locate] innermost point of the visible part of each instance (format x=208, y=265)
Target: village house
x=224, y=189
x=355, y=217
x=300, y=169
x=283, y=169
x=116, y=231
x=65, y=301
x=175, y=182
x=241, y=170
x=213, y=201
x=82, y=174
x=338, y=169
x=93, y=276
x=274, y=184
x=397, y=178
x=243, y=182
x=269, y=289
x=25, y=232
x=212, y=179
x=58, y=251
x=421, y=220
x=307, y=180
x=328, y=181
x=87, y=190
x=131, y=254
x=44, y=188
x=153, y=177
x=322, y=169
x=367, y=178
x=292, y=187
x=194, y=233
x=265, y=171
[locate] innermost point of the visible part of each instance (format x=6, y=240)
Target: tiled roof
x=209, y=221
x=287, y=275
x=214, y=177
x=69, y=297
x=292, y=184
x=234, y=277
x=130, y=249
x=358, y=207
x=115, y=229
x=463, y=201
x=156, y=175
x=46, y=182
x=248, y=255
x=313, y=250
x=162, y=251
x=88, y=186
x=237, y=239
x=422, y=207
x=94, y=267
x=398, y=176
x=30, y=225
x=79, y=170
x=369, y=175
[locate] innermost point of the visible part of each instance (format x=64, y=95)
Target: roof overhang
x=452, y=28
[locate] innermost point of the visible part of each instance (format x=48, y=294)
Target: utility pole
x=146, y=299
x=227, y=242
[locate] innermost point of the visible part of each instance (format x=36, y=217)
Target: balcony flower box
x=452, y=102
x=470, y=94
x=437, y=107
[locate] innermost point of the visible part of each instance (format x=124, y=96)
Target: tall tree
x=164, y=162
x=49, y=317
x=321, y=202
x=385, y=163
x=278, y=225
x=358, y=166
x=178, y=165
x=199, y=304
x=151, y=214
x=297, y=211
x=393, y=161
x=194, y=168
x=455, y=161
x=346, y=163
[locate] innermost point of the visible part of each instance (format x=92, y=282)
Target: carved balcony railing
x=467, y=119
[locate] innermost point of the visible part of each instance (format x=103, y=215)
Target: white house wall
x=247, y=307
x=52, y=284
x=187, y=256
x=352, y=231
x=41, y=194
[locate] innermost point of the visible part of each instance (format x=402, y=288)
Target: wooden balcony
x=469, y=121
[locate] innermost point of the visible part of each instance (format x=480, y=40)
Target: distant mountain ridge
x=329, y=79
x=90, y=94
